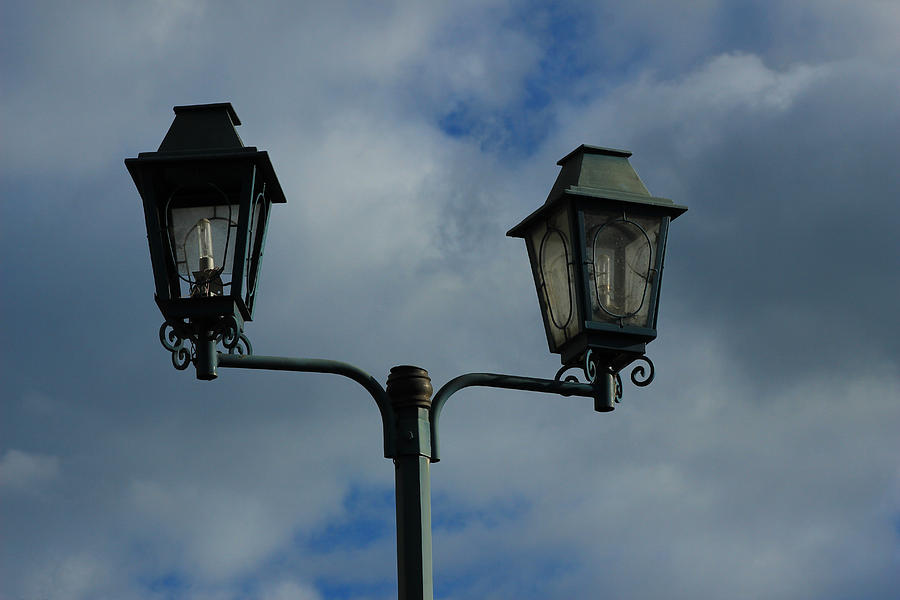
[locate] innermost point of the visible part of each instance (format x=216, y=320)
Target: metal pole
x=409, y=389
x=207, y=356
x=512, y=382
x=410, y=421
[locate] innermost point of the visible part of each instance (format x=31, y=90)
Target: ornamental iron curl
x=568, y=378
x=181, y=340
x=593, y=369
x=589, y=367
x=229, y=333
x=174, y=341
x=639, y=371
x=242, y=346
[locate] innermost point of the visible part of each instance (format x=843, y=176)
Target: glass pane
x=203, y=239
x=621, y=260
x=554, y=263
x=259, y=214
x=551, y=247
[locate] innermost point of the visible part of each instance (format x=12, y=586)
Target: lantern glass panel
x=550, y=244
x=198, y=230
x=621, y=256
x=203, y=241
x=259, y=218
x=203, y=244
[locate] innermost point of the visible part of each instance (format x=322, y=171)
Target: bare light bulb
x=204, y=235
x=604, y=280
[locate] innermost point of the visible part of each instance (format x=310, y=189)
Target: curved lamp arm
x=512, y=382
x=321, y=365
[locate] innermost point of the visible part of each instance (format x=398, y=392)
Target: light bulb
x=604, y=280
x=204, y=235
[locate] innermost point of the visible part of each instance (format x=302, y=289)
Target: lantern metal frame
x=596, y=179
x=202, y=162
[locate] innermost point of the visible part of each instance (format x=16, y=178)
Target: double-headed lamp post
x=596, y=248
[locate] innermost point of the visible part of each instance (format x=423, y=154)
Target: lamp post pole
x=406, y=416
x=409, y=419
x=596, y=249
x=409, y=389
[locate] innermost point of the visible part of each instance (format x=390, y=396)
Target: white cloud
x=735, y=81
x=289, y=590
x=76, y=577
x=223, y=532
x=695, y=109
x=25, y=471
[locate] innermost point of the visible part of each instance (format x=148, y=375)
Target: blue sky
x=408, y=137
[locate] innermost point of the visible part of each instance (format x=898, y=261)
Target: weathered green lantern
x=207, y=199
x=596, y=248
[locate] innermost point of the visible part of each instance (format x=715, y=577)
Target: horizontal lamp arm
x=321, y=365
x=494, y=380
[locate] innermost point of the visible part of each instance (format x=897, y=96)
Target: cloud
x=729, y=498
x=699, y=108
x=226, y=533
x=289, y=590
x=408, y=137
x=74, y=577
x=22, y=471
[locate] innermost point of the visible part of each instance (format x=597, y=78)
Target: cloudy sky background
x=763, y=462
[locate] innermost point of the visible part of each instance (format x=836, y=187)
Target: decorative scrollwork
x=590, y=367
x=173, y=339
x=231, y=336
x=229, y=333
x=594, y=369
x=181, y=340
x=242, y=346
x=568, y=378
x=639, y=371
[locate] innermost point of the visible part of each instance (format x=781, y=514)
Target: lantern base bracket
x=602, y=370
x=196, y=341
x=204, y=308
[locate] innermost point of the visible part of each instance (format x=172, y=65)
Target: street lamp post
x=596, y=248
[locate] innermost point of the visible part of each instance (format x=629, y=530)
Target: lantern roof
x=603, y=174
x=597, y=168
x=599, y=172
x=203, y=127
x=205, y=134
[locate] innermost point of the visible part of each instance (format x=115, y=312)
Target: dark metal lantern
x=596, y=248
x=207, y=199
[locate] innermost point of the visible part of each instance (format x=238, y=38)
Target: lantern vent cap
x=595, y=167
x=602, y=175
x=203, y=128
x=203, y=136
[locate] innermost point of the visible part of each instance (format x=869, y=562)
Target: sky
x=763, y=461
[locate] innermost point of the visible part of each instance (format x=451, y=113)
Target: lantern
x=596, y=248
x=207, y=200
